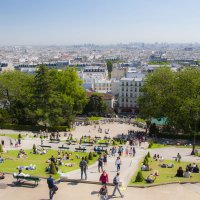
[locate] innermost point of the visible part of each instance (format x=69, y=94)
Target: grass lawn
x=12, y=162
x=159, y=145
x=93, y=118
x=166, y=175
x=13, y=136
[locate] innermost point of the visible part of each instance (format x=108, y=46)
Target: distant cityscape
x=131, y=63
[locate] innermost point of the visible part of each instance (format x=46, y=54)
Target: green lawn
x=166, y=175
x=159, y=145
x=93, y=118
x=12, y=162
x=13, y=136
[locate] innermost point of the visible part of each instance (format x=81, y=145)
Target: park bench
x=63, y=148
x=46, y=146
x=22, y=179
x=88, y=143
x=55, y=140
x=80, y=149
x=103, y=144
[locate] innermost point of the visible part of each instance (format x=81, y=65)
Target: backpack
x=115, y=180
x=83, y=164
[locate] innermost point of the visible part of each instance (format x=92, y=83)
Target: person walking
x=103, y=193
x=83, y=166
x=116, y=185
x=52, y=187
x=118, y=163
x=105, y=159
x=104, y=178
x=100, y=164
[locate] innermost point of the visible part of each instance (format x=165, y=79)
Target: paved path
x=71, y=191
x=128, y=168
x=171, y=152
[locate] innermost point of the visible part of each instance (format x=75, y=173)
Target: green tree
x=96, y=106
x=175, y=95
x=109, y=67
x=52, y=168
x=139, y=177
x=15, y=97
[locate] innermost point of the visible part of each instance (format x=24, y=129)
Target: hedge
x=32, y=128
x=178, y=136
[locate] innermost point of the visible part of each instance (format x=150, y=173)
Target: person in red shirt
x=104, y=178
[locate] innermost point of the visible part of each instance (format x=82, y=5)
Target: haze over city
x=50, y=22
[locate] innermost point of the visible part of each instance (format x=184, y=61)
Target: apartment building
x=129, y=91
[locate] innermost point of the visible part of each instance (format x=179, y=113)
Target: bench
x=22, y=179
x=46, y=146
x=63, y=147
x=80, y=149
x=55, y=140
x=103, y=144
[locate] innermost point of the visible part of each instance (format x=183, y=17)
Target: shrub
x=146, y=160
x=148, y=155
x=106, y=151
x=94, y=155
x=86, y=159
x=52, y=168
x=151, y=143
x=90, y=156
x=139, y=177
x=1, y=148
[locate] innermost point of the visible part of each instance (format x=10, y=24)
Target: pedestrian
x=134, y=151
x=116, y=185
x=103, y=193
x=104, y=178
x=52, y=187
x=83, y=165
x=100, y=164
x=118, y=163
x=105, y=159
x=178, y=158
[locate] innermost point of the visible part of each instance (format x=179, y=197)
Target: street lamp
x=196, y=118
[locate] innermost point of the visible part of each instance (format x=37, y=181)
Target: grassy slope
x=11, y=162
x=166, y=175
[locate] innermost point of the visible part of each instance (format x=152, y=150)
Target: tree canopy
x=175, y=95
x=49, y=98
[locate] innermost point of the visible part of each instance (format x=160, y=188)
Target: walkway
x=128, y=168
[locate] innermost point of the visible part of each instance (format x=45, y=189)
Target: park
x=93, y=138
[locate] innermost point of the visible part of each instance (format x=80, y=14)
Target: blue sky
x=66, y=22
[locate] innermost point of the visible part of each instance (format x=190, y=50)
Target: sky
x=67, y=22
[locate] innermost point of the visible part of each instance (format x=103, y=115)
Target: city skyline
x=61, y=22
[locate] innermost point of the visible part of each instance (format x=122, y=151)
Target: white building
x=93, y=74
x=129, y=91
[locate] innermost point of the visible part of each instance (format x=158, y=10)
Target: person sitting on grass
x=179, y=172
x=195, y=169
x=187, y=174
x=150, y=179
x=145, y=167
x=1, y=160
x=189, y=167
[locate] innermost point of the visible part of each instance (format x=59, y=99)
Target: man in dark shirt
x=51, y=185
x=100, y=164
x=83, y=165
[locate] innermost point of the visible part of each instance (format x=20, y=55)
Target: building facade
x=129, y=91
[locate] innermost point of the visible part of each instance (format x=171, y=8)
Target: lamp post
x=196, y=118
